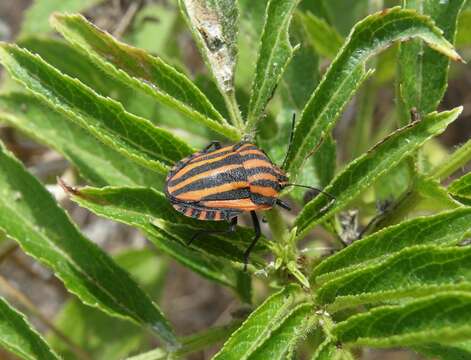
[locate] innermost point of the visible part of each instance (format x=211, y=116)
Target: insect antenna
x=316, y=190
x=291, y=136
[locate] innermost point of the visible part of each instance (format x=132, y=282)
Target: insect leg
x=256, y=226
x=282, y=204
x=216, y=145
x=232, y=228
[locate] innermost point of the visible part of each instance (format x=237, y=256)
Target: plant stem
x=403, y=207
x=28, y=304
x=233, y=108
x=277, y=226
x=192, y=343
x=453, y=163
x=207, y=338
x=7, y=249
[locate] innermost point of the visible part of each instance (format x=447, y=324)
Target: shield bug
x=219, y=183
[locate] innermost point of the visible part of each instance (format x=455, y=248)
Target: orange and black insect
x=219, y=183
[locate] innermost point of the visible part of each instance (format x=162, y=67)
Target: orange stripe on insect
x=255, y=163
x=242, y=204
x=250, y=152
x=264, y=190
x=205, y=174
x=188, y=211
x=201, y=156
x=194, y=165
x=262, y=176
x=202, y=215
x=197, y=195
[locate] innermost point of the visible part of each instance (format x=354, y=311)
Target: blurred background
x=191, y=303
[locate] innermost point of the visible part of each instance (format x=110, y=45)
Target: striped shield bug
x=220, y=183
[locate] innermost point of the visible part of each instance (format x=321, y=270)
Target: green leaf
x=458, y=351
x=36, y=17
x=411, y=273
x=142, y=72
x=463, y=36
x=325, y=351
x=461, y=189
x=143, y=34
x=46, y=233
x=251, y=26
x=329, y=350
x=285, y=336
x=72, y=61
x=445, y=229
x=274, y=55
x=362, y=172
x=442, y=318
x=361, y=134
x=423, y=72
x=434, y=196
x=260, y=325
x=98, y=163
x=325, y=161
x=316, y=7
x=106, y=119
x=170, y=231
x=214, y=25
x=453, y=163
x=324, y=37
x=17, y=335
x=90, y=328
x=69, y=60
x=344, y=14
x=347, y=72
x=191, y=343
x=302, y=73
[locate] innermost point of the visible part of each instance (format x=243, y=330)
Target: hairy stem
x=192, y=343
x=453, y=163
x=233, y=108
x=278, y=227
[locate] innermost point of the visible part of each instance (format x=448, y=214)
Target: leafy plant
x=121, y=116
